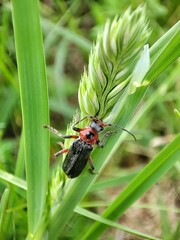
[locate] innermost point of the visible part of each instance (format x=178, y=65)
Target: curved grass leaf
x=9, y=178
x=110, y=223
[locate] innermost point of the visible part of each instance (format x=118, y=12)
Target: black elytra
x=77, y=158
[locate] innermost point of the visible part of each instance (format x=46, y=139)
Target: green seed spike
x=111, y=62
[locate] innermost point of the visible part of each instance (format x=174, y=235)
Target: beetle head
x=97, y=125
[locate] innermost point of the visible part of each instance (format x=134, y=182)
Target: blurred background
x=69, y=30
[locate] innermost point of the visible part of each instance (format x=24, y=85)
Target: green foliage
x=126, y=83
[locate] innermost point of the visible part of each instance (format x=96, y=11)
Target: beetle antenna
x=124, y=129
x=91, y=117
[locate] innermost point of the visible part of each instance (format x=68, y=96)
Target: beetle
x=79, y=152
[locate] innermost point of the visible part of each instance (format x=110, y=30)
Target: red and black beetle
x=79, y=152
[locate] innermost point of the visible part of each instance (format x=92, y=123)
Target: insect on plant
x=79, y=153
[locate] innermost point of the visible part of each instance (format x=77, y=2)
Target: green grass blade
x=110, y=223
x=3, y=208
x=169, y=51
x=9, y=178
x=34, y=102
x=163, y=41
x=141, y=183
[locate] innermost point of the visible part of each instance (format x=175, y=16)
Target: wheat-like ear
x=111, y=62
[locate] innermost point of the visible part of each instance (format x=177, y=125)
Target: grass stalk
x=34, y=102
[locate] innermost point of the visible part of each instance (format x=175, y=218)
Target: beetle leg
x=61, y=152
x=76, y=129
x=60, y=144
x=100, y=144
x=53, y=130
x=91, y=170
x=106, y=135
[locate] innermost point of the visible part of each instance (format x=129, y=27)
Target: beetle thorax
x=89, y=135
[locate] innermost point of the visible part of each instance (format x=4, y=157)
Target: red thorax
x=89, y=135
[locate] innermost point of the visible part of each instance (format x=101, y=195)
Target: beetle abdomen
x=76, y=158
